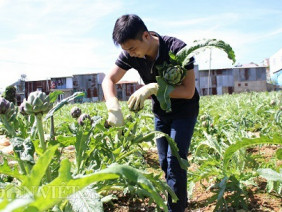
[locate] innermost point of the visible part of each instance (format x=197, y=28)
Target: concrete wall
x=245, y=86
x=231, y=80
x=88, y=83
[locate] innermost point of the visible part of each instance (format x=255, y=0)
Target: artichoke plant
x=37, y=103
x=8, y=113
x=172, y=74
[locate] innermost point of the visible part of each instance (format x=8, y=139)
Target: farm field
x=235, y=159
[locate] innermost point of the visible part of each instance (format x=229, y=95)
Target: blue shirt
x=181, y=108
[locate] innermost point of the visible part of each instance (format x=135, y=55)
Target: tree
x=10, y=94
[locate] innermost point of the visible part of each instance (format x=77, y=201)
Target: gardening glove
x=115, y=117
x=136, y=100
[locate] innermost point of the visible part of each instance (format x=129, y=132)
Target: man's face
x=136, y=48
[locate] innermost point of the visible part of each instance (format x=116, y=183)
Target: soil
x=259, y=200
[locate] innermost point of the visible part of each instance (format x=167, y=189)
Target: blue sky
x=45, y=39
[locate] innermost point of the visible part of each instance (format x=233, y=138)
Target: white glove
x=115, y=117
x=136, y=100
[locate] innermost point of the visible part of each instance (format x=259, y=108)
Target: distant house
x=275, y=65
x=90, y=84
x=39, y=85
x=126, y=88
x=220, y=81
x=64, y=84
x=249, y=77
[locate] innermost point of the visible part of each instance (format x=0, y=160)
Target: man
x=143, y=50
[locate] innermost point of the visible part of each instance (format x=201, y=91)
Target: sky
x=52, y=38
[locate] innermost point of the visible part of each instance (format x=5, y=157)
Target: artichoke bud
x=36, y=109
x=37, y=102
x=174, y=75
x=30, y=99
x=12, y=112
x=22, y=110
x=75, y=112
x=27, y=106
x=83, y=118
x=4, y=105
x=47, y=99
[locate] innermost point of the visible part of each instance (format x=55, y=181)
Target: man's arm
x=115, y=117
x=110, y=80
x=187, y=89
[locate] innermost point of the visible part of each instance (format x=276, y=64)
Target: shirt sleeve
x=123, y=61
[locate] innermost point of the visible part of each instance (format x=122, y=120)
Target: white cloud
x=47, y=39
x=223, y=19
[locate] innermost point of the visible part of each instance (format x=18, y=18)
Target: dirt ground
x=259, y=200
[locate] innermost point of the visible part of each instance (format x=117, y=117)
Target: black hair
x=127, y=27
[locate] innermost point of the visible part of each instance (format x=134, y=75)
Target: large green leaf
x=163, y=94
x=38, y=171
x=65, y=140
x=17, y=204
x=53, y=96
x=86, y=200
x=279, y=154
x=7, y=170
x=24, y=149
x=48, y=196
x=183, y=56
x=270, y=174
x=245, y=143
x=157, y=134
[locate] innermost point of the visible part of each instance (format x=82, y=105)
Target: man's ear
x=146, y=35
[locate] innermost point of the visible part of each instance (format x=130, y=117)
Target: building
x=220, y=81
x=39, y=85
x=90, y=84
x=275, y=65
x=126, y=88
x=64, y=84
x=249, y=77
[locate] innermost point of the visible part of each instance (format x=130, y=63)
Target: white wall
x=69, y=83
x=100, y=77
x=275, y=62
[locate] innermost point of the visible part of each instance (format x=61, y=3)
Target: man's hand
x=136, y=100
x=115, y=117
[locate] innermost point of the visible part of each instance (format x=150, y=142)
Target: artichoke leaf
x=163, y=94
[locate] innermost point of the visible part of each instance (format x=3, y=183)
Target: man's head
x=132, y=34
x=128, y=27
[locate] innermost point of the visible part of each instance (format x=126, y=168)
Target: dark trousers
x=181, y=130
